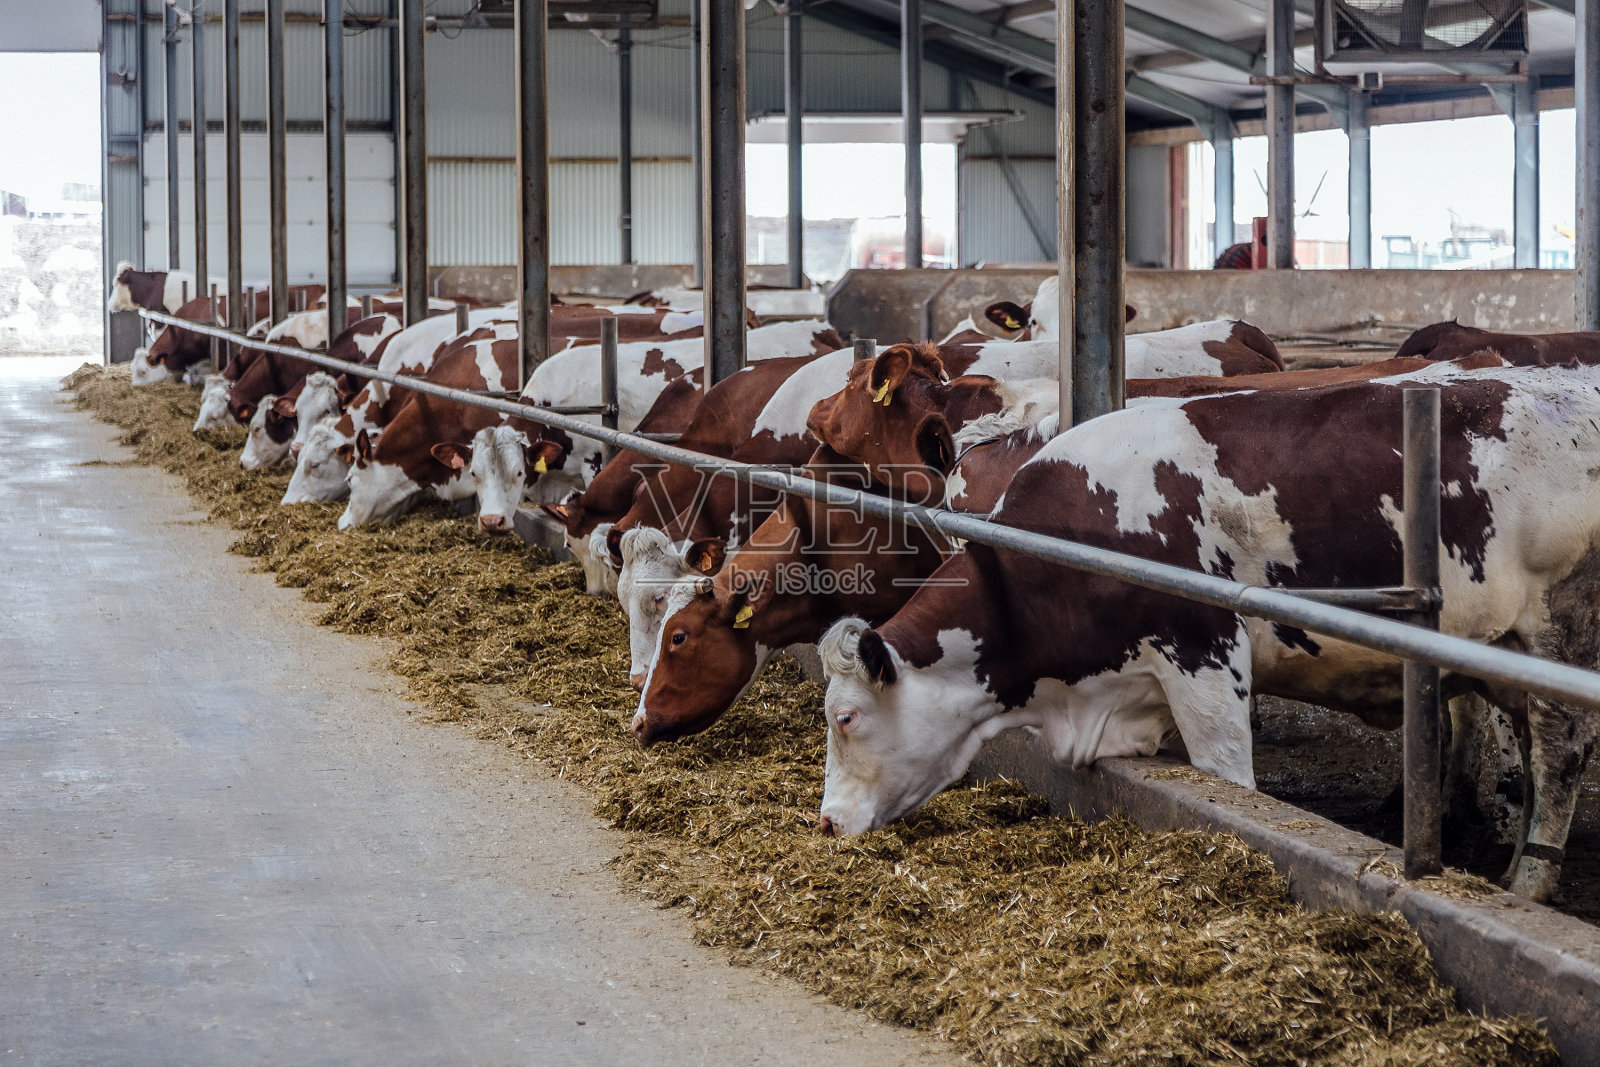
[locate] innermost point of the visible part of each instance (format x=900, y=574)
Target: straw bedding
x=1021, y=937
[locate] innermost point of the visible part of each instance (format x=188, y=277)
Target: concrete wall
x=902, y=304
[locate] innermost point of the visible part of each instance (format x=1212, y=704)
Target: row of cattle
x=1223, y=462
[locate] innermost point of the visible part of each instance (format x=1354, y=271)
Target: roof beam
x=1227, y=53
x=1023, y=51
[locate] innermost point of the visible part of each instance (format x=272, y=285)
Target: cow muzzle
x=495, y=524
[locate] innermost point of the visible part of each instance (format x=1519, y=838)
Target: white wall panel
x=369, y=162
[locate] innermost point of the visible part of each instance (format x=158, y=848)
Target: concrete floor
x=224, y=842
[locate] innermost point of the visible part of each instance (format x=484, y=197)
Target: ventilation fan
x=1390, y=31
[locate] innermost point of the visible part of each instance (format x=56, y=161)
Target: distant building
x=13, y=204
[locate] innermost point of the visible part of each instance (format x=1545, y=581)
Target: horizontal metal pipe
x=1557, y=681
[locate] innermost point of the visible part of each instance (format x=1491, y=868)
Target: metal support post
x=533, y=184
x=722, y=70
x=1525, y=174
x=911, y=114
x=1586, y=91
x=1424, y=812
x=1098, y=202
x=299, y=301
x=216, y=347
x=1280, y=137
x=697, y=162
x=1066, y=212
x=608, y=380
x=864, y=348
x=625, y=142
x=463, y=318
x=1360, y=195
x=277, y=162
x=1222, y=152
x=414, y=160
x=794, y=107
x=249, y=312
x=366, y=305
x=169, y=131
x=238, y=314
x=333, y=153
x=197, y=127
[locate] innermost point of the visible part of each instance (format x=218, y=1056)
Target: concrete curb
x=537, y=528
x=1502, y=954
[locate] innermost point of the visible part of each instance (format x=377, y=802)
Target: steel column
x=238, y=314
x=608, y=381
x=1424, y=812
x=911, y=115
x=1360, y=195
x=1222, y=152
x=197, y=127
x=414, y=159
x=697, y=162
x=723, y=74
x=1280, y=137
x=333, y=154
x=277, y=162
x=1099, y=229
x=533, y=185
x=1587, y=95
x=794, y=106
x=169, y=130
x=1066, y=211
x=625, y=141
x=1525, y=174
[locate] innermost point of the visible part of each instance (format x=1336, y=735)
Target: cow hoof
x=1534, y=879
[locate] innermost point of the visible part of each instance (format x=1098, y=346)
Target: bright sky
x=51, y=129
x=1420, y=170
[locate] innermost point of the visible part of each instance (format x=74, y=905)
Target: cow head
x=261, y=449
x=705, y=658
x=500, y=463
x=121, y=296
x=652, y=563
x=214, y=404
x=890, y=417
x=322, y=468
x=319, y=399
x=380, y=491
x=143, y=372
x=897, y=734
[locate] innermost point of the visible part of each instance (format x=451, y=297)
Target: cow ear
x=542, y=456
x=614, y=546
x=453, y=454
x=347, y=453
x=873, y=655
x=283, y=407
x=363, y=449
x=1006, y=315
x=1129, y=313
x=246, y=412
x=559, y=512
x=738, y=611
x=888, y=371
x=933, y=443
x=705, y=556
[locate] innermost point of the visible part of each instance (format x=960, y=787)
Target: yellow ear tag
x=540, y=466
x=882, y=395
x=1012, y=324
x=741, y=620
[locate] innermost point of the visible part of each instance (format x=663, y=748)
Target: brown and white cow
x=1451, y=340
x=1237, y=486
x=803, y=567
x=279, y=375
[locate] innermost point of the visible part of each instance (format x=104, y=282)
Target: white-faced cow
x=1236, y=486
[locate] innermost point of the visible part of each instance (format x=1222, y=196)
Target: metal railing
x=1337, y=613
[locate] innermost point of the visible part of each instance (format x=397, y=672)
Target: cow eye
x=679, y=638
x=845, y=719
x=658, y=599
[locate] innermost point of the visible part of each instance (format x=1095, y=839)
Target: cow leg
x=1464, y=811
x=1211, y=708
x=1560, y=740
